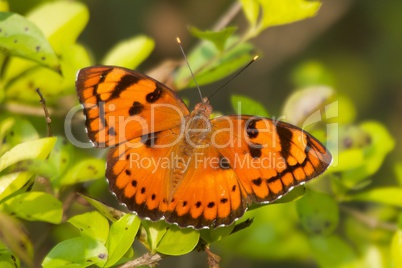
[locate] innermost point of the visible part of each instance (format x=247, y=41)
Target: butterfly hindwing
x=209, y=194
x=121, y=104
x=138, y=172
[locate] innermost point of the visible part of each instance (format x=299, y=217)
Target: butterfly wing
x=209, y=195
x=139, y=172
x=250, y=160
x=121, y=104
x=269, y=157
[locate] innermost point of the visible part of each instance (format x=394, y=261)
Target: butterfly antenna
x=188, y=64
x=239, y=72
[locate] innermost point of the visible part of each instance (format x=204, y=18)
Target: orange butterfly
x=169, y=163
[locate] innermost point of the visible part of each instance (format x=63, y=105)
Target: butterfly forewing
x=121, y=104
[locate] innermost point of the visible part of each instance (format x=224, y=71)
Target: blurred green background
x=358, y=43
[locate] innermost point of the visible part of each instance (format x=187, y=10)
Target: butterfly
x=166, y=162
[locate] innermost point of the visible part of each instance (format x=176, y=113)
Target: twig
x=228, y=16
x=47, y=116
x=212, y=259
x=369, y=221
x=146, y=259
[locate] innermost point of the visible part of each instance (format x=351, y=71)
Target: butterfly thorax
x=197, y=131
x=196, y=136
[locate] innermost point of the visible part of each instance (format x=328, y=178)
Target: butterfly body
x=166, y=162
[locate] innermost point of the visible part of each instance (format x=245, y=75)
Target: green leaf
x=130, y=53
x=154, y=232
x=245, y=105
x=251, y=9
x=318, y=212
x=293, y=195
x=210, y=65
x=4, y=7
x=92, y=225
x=121, y=237
x=332, y=251
x=274, y=235
x=304, y=103
x=312, y=73
x=22, y=38
x=109, y=212
x=280, y=12
x=83, y=171
x=376, y=146
x=218, y=38
x=13, y=235
x=348, y=159
x=396, y=249
x=16, y=130
x=12, y=183
x=7, y=259
x=21, y=78
x=386, y=195
x=60, y=159
x=68, y=21
x=36, y=149
x=178, y=241
x=76, y=252
x=398, y=172
x=34, y=206
x=213, y=235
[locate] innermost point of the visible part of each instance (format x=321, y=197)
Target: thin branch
x=212, y=259
x=228, y=16
x=47, y=116
x=146, y=259
x=370, y=221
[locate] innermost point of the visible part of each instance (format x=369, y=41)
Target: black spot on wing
x=112, y=131
x=125, y=82
x=257, y=182
x=255, y=150
x=285, y=137
x=154, y=95
x=136, y=108
x=251, y=130
x=149, y=140
x=211, y=204
x=223, y=200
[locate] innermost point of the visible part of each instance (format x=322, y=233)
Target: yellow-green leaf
x=22, y=38
x=130, y=53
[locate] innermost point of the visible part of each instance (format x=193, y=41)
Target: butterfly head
x=203, y=108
